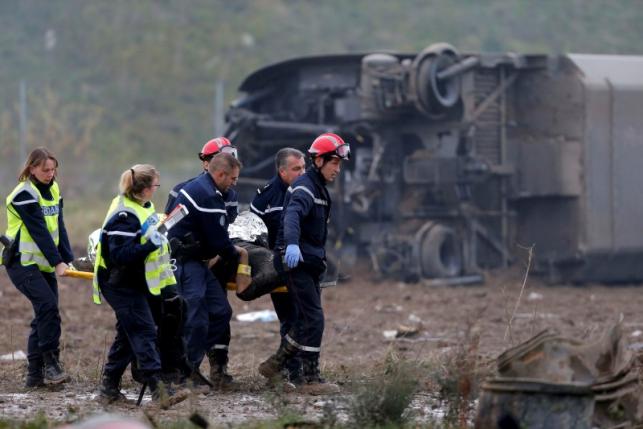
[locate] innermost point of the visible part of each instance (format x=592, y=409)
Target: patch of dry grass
x=383, y=400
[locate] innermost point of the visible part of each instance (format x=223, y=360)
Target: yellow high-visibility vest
x=158, y=270
x=30, y=253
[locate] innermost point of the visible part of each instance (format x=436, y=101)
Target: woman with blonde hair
x=132, y=261
x=39, y=252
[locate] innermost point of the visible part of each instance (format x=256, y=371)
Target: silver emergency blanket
x=248, y=227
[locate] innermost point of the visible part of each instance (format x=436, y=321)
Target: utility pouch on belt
x=184, y=248
x=9, y=250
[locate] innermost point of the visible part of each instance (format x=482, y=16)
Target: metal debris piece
x=390, y=334
x=605, y=366
x=534, y=296
x=388, y=308
x=404, y=331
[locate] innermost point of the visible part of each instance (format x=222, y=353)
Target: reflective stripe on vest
x=30, y=253
x=158, y=270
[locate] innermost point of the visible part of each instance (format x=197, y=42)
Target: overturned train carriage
x=460, y=158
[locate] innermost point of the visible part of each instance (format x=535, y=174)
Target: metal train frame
x=458, y=158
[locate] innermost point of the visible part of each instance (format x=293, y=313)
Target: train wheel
x=441, y=253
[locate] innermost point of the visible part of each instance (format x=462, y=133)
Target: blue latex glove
x=149, y=223
x=293, y=255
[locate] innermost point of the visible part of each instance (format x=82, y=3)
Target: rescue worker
x=230, y=197
x=132, y=261
x=300, y=253
x=197, y=239
x=40, y=252
x=168, y=315
x=268, y=205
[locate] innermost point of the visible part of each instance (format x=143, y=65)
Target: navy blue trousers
x=170, y=336
x=42, y=291
x=308, y=323
x=285, y=309
x=207, y=323
x=136, y=338
x=287, y=313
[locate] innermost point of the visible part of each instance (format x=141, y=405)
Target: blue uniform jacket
x=207, y=218
x=268, y=205
x=305, y=215
x=123, y=252
x=32, y=215
x=230, y=198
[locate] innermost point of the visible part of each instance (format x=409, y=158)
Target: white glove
x=152, y=234
x=157, y=238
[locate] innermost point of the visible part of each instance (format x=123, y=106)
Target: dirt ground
x=358, y=313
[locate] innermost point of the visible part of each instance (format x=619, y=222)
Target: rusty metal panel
x=488, y=124
x=550, y=103
x=550, y=168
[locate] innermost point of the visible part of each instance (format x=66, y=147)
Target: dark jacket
x=305, y=216
x=123, y=253
x=34, y=220
x=230, y=199
x=268, y=205
x=206, y=221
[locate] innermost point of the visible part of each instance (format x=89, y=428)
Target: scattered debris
x=636, y=347
x=526, y=403
x=389, y=308
x=405, y=331
x=412, y=336
x=536, y=316
x=17, y=355
x=454, y=281
x=390, y=334
x=263, y=316
x=534, y=296
x=414, y=319
x=572, y=379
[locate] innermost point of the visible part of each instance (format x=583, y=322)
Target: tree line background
x=113, y=83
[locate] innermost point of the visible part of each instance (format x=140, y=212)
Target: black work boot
x=110, y=389
x=312, y=383
x=292, y=369
x=198, y=383
x=35, y=374
x=172, y=377
x=175, y=369
x=54, y=373
x=219, y=376
x=163, y=394
x=272, y=368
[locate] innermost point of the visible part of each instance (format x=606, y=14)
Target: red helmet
x=329, y=144
x=214, y=146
